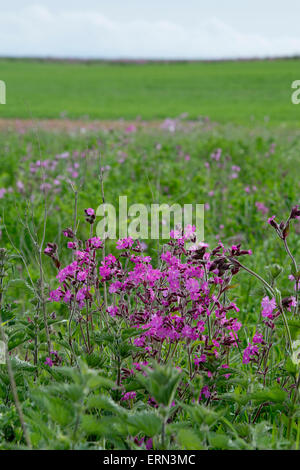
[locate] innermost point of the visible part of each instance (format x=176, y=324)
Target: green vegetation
x=239, y=92
x=103, y=348
x=84, y=396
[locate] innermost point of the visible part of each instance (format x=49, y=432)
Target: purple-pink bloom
x=128, y=396
x=268, y=306
x=48, y=362
x=90, y=211
x=125, y=243
x=257, y=338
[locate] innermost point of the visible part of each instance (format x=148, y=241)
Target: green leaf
x=189, y=440
x=102, y=402
x=99, y=381
x=274, y=395
x=146, y=422
x=17, y=338
x=60, y=411
x=220, y=441
x=161, y=382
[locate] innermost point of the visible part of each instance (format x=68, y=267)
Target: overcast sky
x=174, y=29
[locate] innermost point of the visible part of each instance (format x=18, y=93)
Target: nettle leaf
x=97, y=381
x=64, y=344
x=243, y=429
x=72, y=392
x=103, y=338
x=16, y=339
x=22, y=366
x=161, y=382
x=274, y=395
x=291, y=322
x=261, y=436
x=95, y=360
x=236, y=398
x=125, y=350
x=106, y=427
x=103, y=402
x=220, y=441
x=189, y=439
x=7, y=314
x=201, y=414
x=60, y=411
x=38, y=425
x=146, y=422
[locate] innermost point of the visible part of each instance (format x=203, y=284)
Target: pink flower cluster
x=179, y=302
x=77, y=278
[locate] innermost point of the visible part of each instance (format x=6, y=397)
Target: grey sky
x=150, y=29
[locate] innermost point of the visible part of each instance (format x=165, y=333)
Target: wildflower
x=20, y=186
x=271, y=221
x=257, y=338
x=192, y=285
x=2, y=192
x=289, y=302
x=268, y=306
x=115, y=286
x=216, y=155
x=149, y=444
x=96, y=242
x=250, y=353
x=105, y=272
x=112, y=310
x=45, y=187
x=81, y=296
x=139, y=342
x=110, y=259
x=295, y=212
x=50, y=249
x=82, y=275
x=128, y=396
x=169, y=124
x=189, y=232
x=204, y=392
x=90, y=213
x=125, y=243
x=56, y=295
x=198, y=360
x=67, y=296
x=262, y=208
x=131, y=128
x=48, y=362
x=72, y=245
x=68, y=233
x=226, y=366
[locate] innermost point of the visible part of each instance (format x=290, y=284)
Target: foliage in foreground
x=119, y=351
x=150, y=357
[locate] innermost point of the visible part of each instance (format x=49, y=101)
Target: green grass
x=240, y=92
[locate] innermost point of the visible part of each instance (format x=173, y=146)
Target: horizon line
x=142, y=61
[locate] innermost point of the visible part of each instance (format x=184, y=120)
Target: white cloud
x=37, y=31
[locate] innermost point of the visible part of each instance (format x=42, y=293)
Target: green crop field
x=241, y=92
